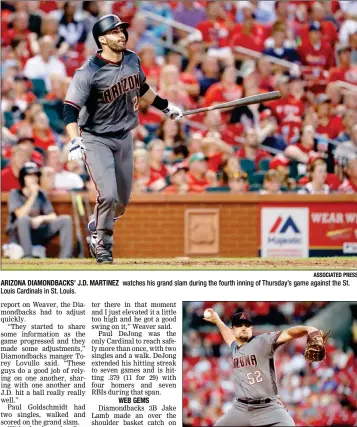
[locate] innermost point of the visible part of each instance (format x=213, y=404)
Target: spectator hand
x=36, y=222
x=76, y=150
x=34, y=188
x=173, y=112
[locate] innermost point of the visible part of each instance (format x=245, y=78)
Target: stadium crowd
x=304, y=142
x=317, y=394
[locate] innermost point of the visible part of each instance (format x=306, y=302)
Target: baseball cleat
x=92, y=243
x=105, y=258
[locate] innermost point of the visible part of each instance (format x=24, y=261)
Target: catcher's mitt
x=315, y=346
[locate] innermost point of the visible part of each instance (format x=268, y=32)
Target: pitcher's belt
x=254, y=401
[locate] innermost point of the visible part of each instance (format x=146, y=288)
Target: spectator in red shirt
x=345, y=71
x=328, y=28
x=10, y=174
x=215, y=31
x=349, y=185
x=30, y=113
x=178, y=181
x=316, y=53
x=224, y=91
x=42, y=132
x=148, y=116
x=251, y=148
x=304, y=150
x=158, y=170
x=280, y=163
x=289, y=109
x=19, y=30
x=149, y=65
x=216, y=150
x=262, y=75
x=28, y=144
x=196, y=176
x=249, y=34
x=328, y=126
x=19, y=51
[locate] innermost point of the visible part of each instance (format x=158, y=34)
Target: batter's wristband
x=160, y=103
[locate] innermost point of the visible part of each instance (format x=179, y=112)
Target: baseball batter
x=101, y=108
x=256, y=402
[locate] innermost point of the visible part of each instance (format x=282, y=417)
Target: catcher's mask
x=108, y=23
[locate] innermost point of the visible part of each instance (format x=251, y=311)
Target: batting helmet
x=107, y=23
x=29, y=168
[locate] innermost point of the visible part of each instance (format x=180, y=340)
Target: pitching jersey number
x=254, y=377
x=135, y=103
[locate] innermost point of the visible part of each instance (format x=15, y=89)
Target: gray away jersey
x=107, y=93
x=254, y=369
x=41, y=206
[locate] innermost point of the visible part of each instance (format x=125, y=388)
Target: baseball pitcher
x=100, y=110
x=257, y=402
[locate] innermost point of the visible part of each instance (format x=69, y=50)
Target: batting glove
x=174, y=112
x=76, y=150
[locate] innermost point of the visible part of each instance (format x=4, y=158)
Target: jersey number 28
x=254, y=377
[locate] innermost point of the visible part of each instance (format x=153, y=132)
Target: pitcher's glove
x=76, y=150
x=315, y=346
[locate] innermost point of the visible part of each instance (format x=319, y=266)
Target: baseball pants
x=109, y=163
x=26, y=236
x=267, y=415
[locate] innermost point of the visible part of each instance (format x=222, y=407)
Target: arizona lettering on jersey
x=126, y=84
x=240, y=362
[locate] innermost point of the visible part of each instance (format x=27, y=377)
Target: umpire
x=101, y=108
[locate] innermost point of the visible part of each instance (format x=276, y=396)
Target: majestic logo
x=242, y=361
x=124, y=85
x=285, y=232
x=289, y=223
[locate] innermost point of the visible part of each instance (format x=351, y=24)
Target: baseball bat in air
x=248, y=100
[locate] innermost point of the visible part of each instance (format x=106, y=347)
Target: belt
x=117, y=134
x=254, y=401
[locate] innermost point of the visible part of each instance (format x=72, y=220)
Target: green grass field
x=333, y=263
